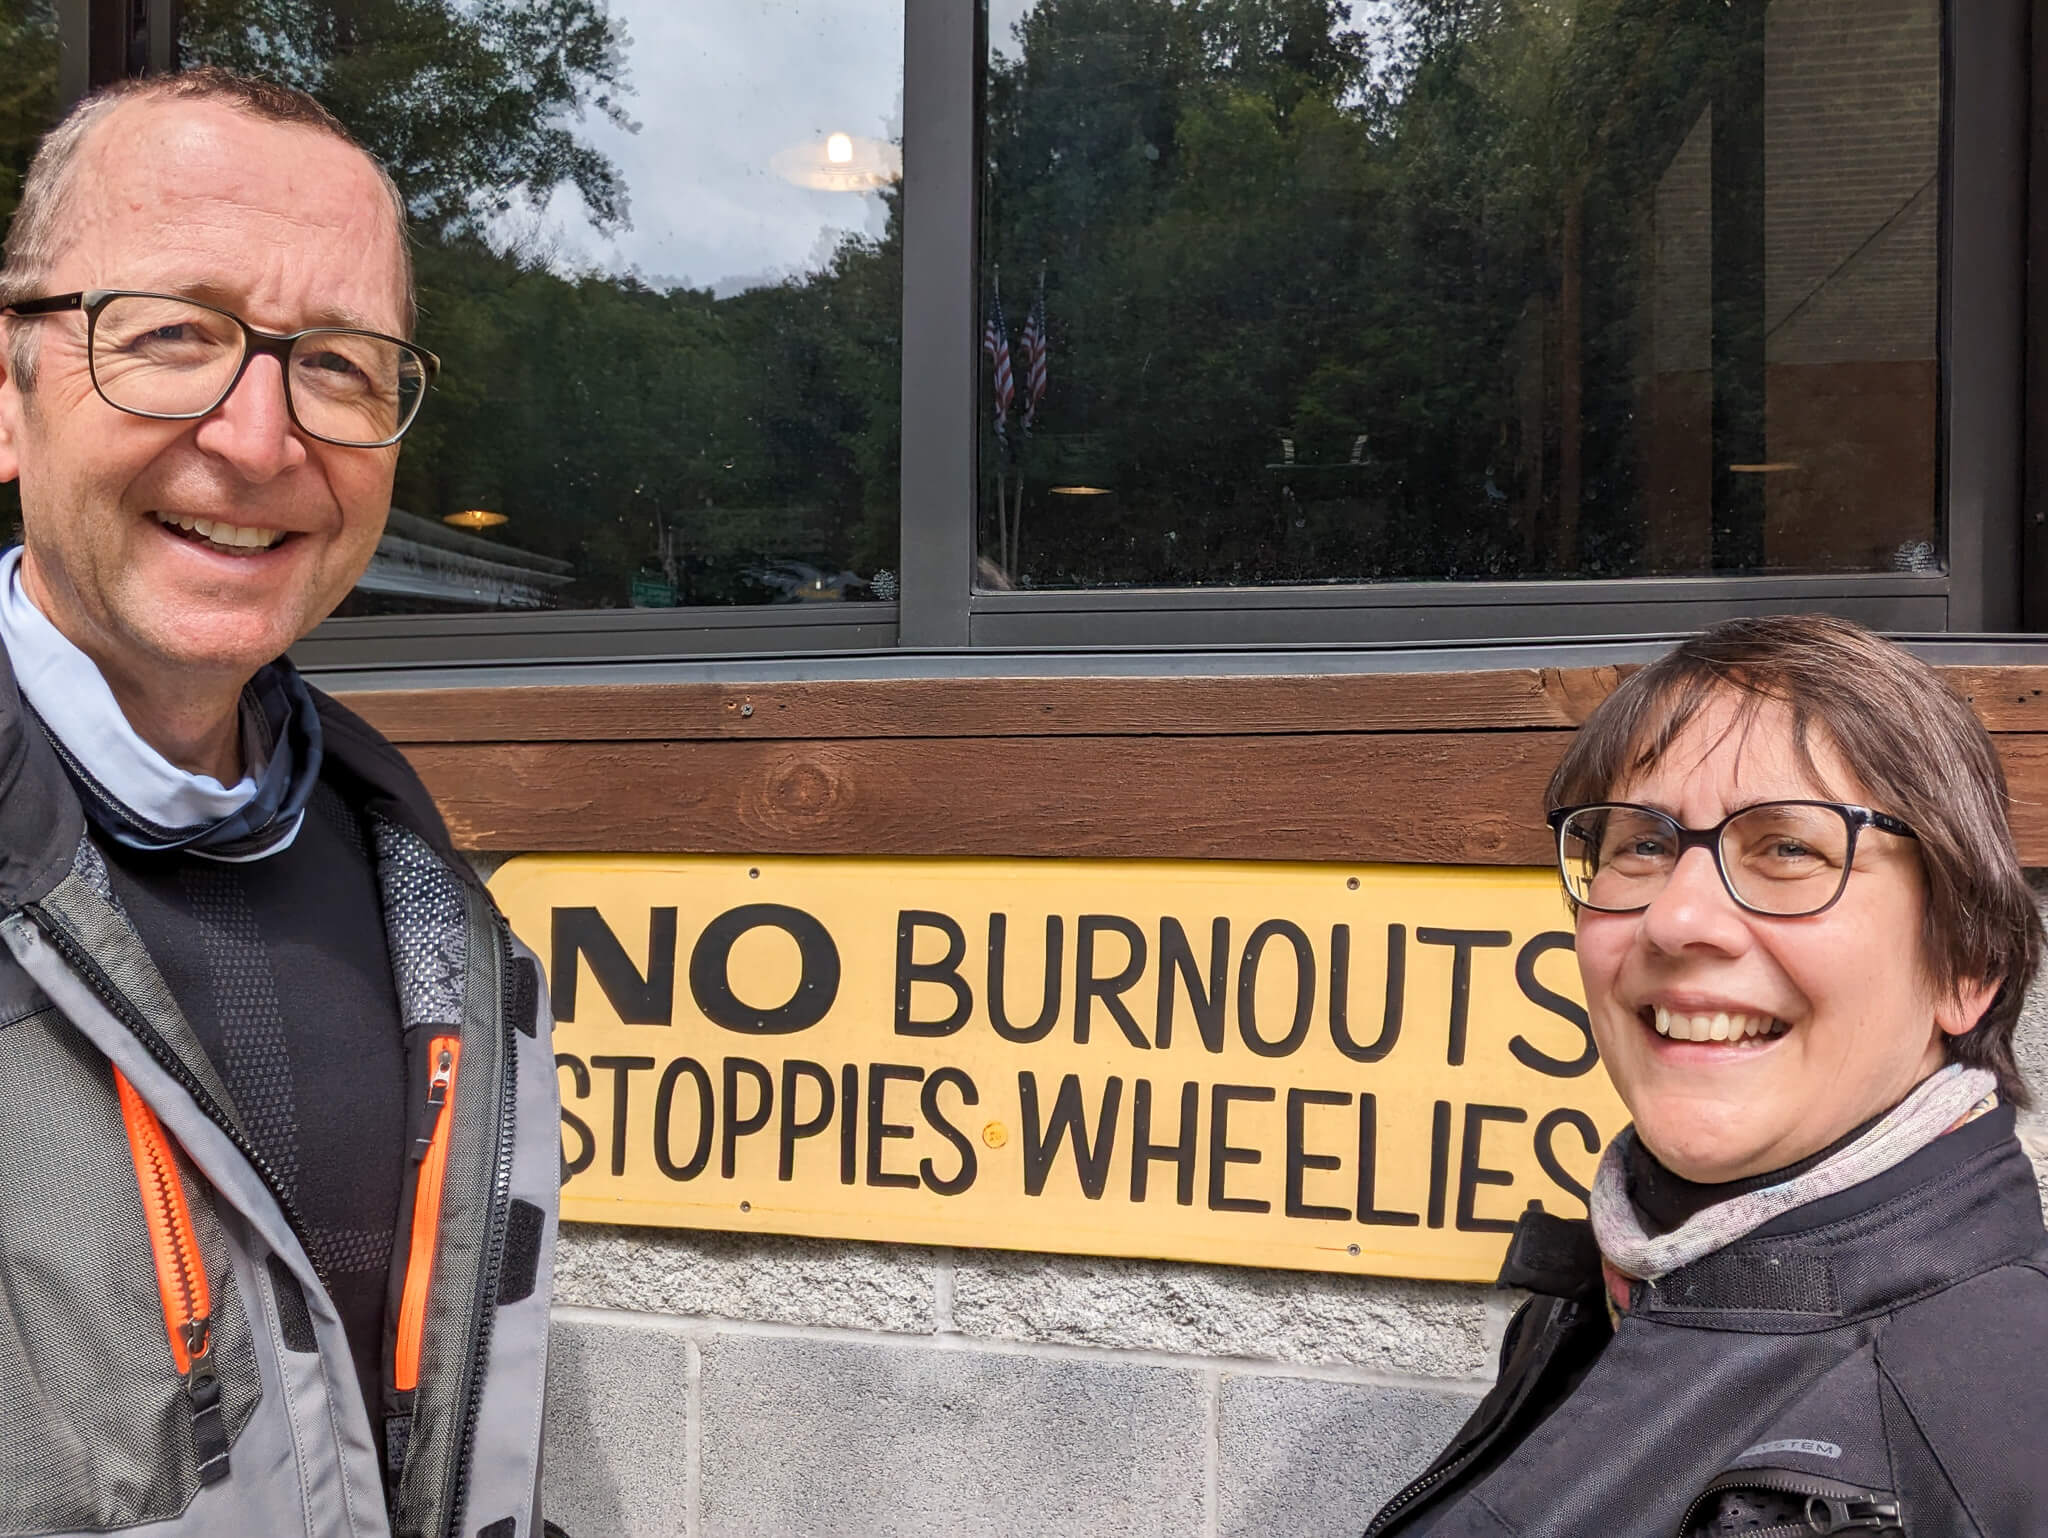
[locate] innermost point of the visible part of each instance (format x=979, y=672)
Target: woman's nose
x=1695, y=909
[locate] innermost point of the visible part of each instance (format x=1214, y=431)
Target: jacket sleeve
x=1964, y=1387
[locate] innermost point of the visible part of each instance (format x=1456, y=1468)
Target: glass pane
x=28, y=105
x=659, y=253
x=1408, y=290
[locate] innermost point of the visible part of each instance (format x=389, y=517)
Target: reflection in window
x=659, y=253
x=28, y=105
x=1300, y=291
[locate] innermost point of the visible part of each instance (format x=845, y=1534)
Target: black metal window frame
x=1992, y=473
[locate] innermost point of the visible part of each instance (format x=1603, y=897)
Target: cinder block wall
x=711, y=1385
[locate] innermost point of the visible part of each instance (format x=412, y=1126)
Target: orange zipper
x=444, y=1052
x=180, y=1276
x=180, y=1269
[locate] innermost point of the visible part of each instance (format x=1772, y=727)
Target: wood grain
x=1441, y=768
x=1519, y=699
x=1436, y=798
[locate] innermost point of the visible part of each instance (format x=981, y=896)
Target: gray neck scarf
x=1942, y=1101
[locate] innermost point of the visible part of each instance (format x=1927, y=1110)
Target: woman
x=1813, y=1295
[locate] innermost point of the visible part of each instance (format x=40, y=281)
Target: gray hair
x=35, y=240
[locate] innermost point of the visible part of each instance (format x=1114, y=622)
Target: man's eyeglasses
x=157, y=355
x=1787, y=859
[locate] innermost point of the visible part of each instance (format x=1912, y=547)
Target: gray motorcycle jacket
x=1875, y=1362
x=254, y=1426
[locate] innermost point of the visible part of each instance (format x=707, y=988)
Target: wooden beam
x=1518, y=699
x=1433, y=798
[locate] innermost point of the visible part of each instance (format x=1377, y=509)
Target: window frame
x=1990, y=463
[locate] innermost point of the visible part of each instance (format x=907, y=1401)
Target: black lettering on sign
x=572, y=1166
x=1180, y=1152
x=1462, y=943
x=1110, y=990
x=1043, y=1137
x=1049, y=1000
x=1222, y=1155
x=582, y=933
x=928, y=1102
x=711, y=980
x=1205, y=1001
x=1472, y=1174
x=1369, y=1210
x=1300, y=1160
x=1340, y=994
x=1546, y=1154
x=880, y=1128
x=664, y=1112
x=791, y=1127
x=622, y=1069
x=945, y=972
x=1439, y=1160
x=736, y=1124
x=849, y=1124
x=1248, y=988
x=1564, y=1008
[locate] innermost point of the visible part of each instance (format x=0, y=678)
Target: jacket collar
x=40, y=820
x=41, y=823
x=1965, y=1203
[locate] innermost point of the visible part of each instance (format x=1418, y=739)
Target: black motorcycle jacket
x=1875, y=1362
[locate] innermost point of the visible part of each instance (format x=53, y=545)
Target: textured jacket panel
x=1885, y=1350
x=1970, y=1367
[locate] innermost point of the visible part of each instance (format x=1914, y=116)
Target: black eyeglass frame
x=1857, y=818
x=255, y=343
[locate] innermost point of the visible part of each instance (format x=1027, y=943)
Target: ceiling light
x=840, y=162
x=474, y=518
x=1079, y=491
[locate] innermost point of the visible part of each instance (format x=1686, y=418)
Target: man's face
x=286, y=227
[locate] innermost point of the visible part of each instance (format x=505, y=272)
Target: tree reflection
x=1389, y=291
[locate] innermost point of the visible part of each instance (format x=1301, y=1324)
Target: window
x=659, y=253
x=1326, y=293
x=791, y=325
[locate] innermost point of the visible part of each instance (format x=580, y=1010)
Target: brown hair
x=1915, y=746
x=35, y=239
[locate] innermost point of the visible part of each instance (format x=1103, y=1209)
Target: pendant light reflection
x=1079, y=491
x=474, y=518
x=840, y=162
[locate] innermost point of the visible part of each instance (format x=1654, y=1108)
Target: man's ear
x=1958, y=1013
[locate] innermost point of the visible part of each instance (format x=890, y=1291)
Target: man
x=278, y=1155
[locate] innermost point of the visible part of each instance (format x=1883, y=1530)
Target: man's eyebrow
x=327, y=315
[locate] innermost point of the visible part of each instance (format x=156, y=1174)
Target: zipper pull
x=202, y=1388
x=1829, y=1514
x=437, y=1097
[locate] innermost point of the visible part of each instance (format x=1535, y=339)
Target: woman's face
x=1861, y=1020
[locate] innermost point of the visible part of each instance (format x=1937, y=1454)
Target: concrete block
x=617, y=1427
x=2030, y=1039
x=766, y=1278
x=1428, y=1329
x=1315, y=1459
x=808, y=1438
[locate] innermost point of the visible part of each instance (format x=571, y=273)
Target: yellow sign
x=1367, y=1068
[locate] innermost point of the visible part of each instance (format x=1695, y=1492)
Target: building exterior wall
x=711, y=1385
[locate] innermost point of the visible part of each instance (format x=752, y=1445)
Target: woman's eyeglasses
x=1787, y=859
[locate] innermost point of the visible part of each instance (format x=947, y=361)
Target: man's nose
x=252, y=429
x=1694, y=909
